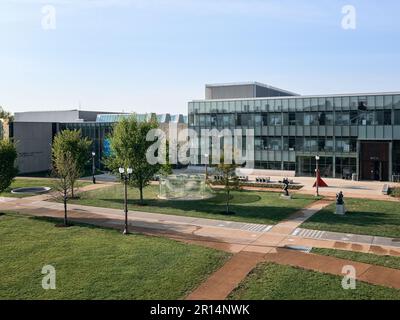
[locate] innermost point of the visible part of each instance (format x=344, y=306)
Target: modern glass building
x=355, y=135
x=99, y=130
x=35, y=131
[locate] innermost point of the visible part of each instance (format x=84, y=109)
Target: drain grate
x=299, y=248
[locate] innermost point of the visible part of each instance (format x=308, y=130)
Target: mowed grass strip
x=384, y=261
x=95, y=263
x=365, y=217
x=269, y=281
x=33, y=182
x=249, y=206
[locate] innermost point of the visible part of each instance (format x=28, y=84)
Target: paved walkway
x=373, y=274
x=221, y=283
x=226, y=235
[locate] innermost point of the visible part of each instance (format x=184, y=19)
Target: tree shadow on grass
x=211, y=210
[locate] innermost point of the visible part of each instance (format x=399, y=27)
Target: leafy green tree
x=128, y=150
x=229, y=179
x=8, y=171
x=71, y=141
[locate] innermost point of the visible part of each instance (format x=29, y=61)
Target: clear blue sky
x=156, y=55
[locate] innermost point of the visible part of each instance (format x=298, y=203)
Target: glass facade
x=291, y=131
x=99, y=131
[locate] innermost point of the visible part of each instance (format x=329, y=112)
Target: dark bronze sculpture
x=286, y=186
x=339, y=198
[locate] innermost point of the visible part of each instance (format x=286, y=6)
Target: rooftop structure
x=241, y=90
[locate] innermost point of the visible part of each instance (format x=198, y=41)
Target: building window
x=289, y=119
x=292, y=119
x=383, y=117
x=396, y=102
x=275, y=119
x=311, y=145
x=265, y=119
x=289, y=144
x=346, y=145
x=274, y=144
x=292, y=143
x=311, y=119
x=367, y=118
x=345, y=167
x=397, y=117
x=342, y=118
x=300, y=118
x=258, y=120
x=325, y=118
x=289, y=166
x=305, y=166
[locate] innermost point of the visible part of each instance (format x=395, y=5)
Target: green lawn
x=249, y=206
x=270, y=281
x=95, y=263
x=32, y=182
x=367, y=217
x=385, y=261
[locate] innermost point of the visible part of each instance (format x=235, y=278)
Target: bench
x=385, y=189
x=263, y=179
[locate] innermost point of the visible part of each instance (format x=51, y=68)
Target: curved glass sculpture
x=184, y=187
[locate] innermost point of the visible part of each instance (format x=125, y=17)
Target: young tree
x=8, y=171
x=128, y=150
x=229, y=179
x=71, y=141
x=65, y=165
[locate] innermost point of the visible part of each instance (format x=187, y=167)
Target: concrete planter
x=340, y=209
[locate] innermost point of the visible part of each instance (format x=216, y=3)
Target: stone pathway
x=221, y=283
x=373, y=274
x=345, y=237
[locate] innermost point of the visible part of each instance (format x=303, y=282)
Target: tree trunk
x=65, y=209
x=141, y=193
x=227, y=202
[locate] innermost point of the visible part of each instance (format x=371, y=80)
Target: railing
x=396, y=178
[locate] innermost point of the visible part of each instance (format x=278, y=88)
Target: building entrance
x=374, y=161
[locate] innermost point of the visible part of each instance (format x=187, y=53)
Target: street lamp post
x=206, y=156
x=317, y=174
x=125, y=176
x=93, y=168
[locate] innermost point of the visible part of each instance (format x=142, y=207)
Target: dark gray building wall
x=262, y=92
x=243, y=91
x=33, y=141
x=231, y=92
x=91, y=115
